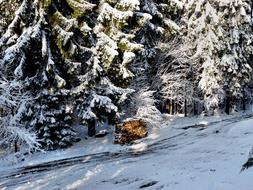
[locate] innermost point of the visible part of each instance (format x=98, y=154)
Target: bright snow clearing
x=200, y=157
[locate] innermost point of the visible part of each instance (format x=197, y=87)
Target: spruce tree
x=235, y=62
x=218, y=37
x=76, y=59
x=51, y=46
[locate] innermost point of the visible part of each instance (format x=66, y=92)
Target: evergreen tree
x=235, y=62
x=80, y=60
x=161, y=25
x=50, y=46
x=73, y=58
x=218, y=40
x=12, y=106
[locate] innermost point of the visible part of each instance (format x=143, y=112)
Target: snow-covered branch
x=13, y=106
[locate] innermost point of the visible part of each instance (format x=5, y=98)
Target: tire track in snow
x=21, y=175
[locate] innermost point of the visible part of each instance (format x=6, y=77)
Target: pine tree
x=74, y=58
x=51, y=47
x=12, y=107
x=219, y=43
x=203, y=45
x=173, y=72
x=235, y=62
x=80, y=60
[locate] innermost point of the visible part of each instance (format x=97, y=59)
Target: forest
x=72, y=62
x=118, y=80
x=90, y=62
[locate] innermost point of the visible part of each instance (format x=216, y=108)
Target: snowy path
x=199, y=156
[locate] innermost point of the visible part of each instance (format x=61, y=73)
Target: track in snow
x=22, y=175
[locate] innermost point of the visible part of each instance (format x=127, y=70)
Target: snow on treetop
x=129, y=4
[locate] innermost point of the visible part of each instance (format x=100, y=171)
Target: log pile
x=129, y=131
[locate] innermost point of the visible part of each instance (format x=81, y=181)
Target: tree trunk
x=185, y=107
x=176, y=107
x=227, y=104
x=168, y=106
x=173, y=107
x=15, y=146
x=195, y=108
x=92, y=128
x=244, y=101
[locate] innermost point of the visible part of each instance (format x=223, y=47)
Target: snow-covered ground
x=178, y=156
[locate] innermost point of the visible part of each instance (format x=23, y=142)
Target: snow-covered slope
x=199, y=157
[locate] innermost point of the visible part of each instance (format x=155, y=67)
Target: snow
x=143, y=18
x=179, y=153
x=103, y=102
x=13, y=106
x=18, y=71
x=172, y=157
x=128, y=57
x=107, y=12
x=145, y=107
x=218, y=26
x=178, y=3
x=129, y=4
x=171, y=24
x=44, y=44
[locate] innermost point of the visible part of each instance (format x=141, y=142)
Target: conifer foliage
x=219, y=41
x=72, y=58
x=51, y=47
x=64, y=62
x=208, y=65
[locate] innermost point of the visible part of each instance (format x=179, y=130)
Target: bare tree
x=176, y=78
